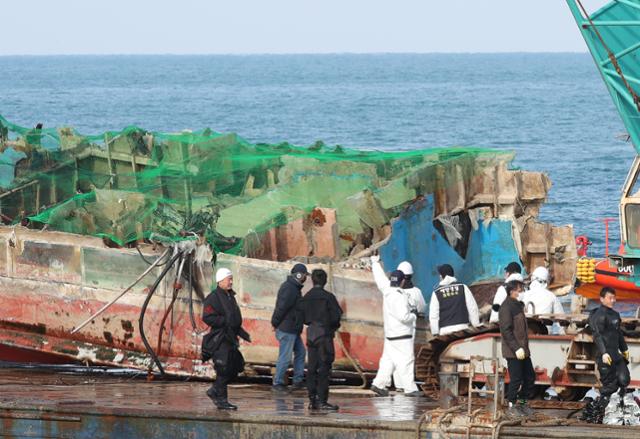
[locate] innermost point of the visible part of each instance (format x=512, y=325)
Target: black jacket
x=221, y=312
x=607, y=335
x=286, y=314
x=513, y=328
x=321, y=312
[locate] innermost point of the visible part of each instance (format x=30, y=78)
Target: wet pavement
x=113, y=395
x=53, y=404
x=27, y=392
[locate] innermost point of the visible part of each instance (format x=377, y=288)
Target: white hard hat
x=405, y=267
x=541, y=274
x=222, y=274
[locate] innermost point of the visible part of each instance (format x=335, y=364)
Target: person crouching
x=321, y=313
x=222, y=314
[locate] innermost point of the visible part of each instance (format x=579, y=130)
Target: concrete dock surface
x=53, y=404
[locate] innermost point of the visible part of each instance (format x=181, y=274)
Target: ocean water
x=553, y=110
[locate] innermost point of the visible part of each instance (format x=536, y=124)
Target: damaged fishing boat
x=110, y=240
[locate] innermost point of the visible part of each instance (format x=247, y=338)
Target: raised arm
x=382, y=281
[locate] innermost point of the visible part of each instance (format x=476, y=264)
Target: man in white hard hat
x=221, y=312
x=413, y=294
x=399, y=327
x=512, y=271
x=538, y=300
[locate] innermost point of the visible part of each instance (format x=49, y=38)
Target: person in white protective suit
x=539, y=300
x=398, y=352
x=452, y=307
x=512, y=271
x=414, y=296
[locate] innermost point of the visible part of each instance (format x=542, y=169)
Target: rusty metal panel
x=114, y=269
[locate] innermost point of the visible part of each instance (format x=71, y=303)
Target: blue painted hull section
x=414, y=238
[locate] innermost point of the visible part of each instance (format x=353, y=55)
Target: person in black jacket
x=222, y=314
x=287, y=323
x=321, y=313
x=613, y=352
x=515, y=349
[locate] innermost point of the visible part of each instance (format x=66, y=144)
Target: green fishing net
x=135, y=184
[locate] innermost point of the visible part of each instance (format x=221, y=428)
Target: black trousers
x=614, y=376
x=225, y=371
x=220, y=384
x=522, y=379
x=321, y=355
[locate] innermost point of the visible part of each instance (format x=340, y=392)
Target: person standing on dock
x=515, y=349
x=414, y=296
x=222, y=313
x=321, y=313
x=399, y=326
x=452, y=307
x=613, y=352
x=512, y=271
x=287, y=323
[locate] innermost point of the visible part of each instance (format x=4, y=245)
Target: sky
x=45, y=27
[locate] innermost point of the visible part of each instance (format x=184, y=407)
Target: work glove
x=625, y=354
x=606, y=359
x=375, y=258
x=520, y=354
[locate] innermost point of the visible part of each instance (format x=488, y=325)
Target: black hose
x=154, y=287
x=146, y=260
x=174, y=296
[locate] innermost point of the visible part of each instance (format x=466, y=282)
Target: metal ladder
x=496, y=392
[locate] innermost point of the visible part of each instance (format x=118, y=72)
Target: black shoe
x=326, y=406
x=279, y=388
x=378, y=391
x=414, y=394
x=225, y=405
x=299, y=386
x=314, y=404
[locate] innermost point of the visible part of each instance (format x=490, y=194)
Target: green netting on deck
x=135, y=184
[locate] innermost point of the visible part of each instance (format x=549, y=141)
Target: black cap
x=396, y=278
x=513, y=267
x=299, y=268
x=445, y=270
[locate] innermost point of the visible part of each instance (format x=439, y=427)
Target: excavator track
x=427, y=360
